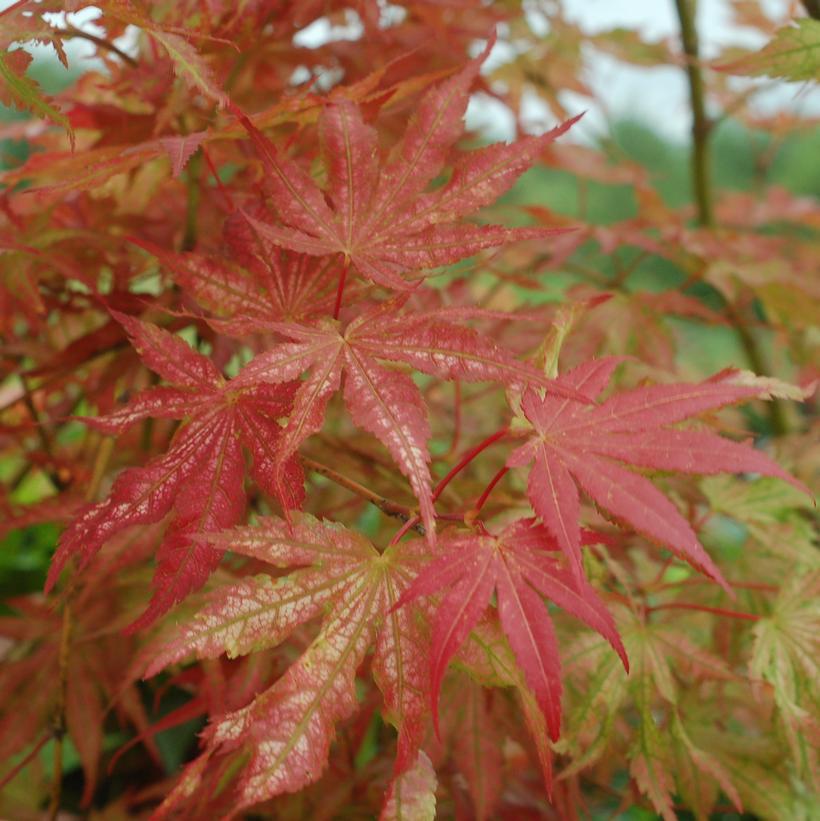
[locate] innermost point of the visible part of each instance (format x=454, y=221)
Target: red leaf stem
x=453, y=472
x=489, y=489
x=718, y=611
x=340, y=290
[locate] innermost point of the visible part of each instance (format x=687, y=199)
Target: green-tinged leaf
x=478, y=752
x=649, y=761
x=792, y=54
x=787, y=655
x=773, y=515
x=190, y=66
x=412, y=796
x=698, y=774
x=597, y=687
x=644, y=644
x=767, y=790
x=487, y=657
x=761, y=501
x=20, y=91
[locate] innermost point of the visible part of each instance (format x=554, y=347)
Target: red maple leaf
x=515, y=564
x=335, y=574
x=377, y=212
x=380, y=399
x=577, y=445
x=200, y=478
x=254, y=284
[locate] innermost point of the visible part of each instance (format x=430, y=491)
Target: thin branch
x=341, y=288
x=58, y=722
x=695, y=582
x=386, y=506
x=701, y=127
x=193, y=176
x=456, y=469
x=215, y=174
x=467, y=458
x=42, y=434
x=718, y=611
x=12, y=773
x=456, y=420
x=489, y=489
x=70, y=31
x=812, y=8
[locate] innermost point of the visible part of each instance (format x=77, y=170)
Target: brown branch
x=58, y=722
x=702, y=185
x=388, y=507
x=701, y=127
x=70, y=31
x=13, y=772
x=193, y=174
x=702, y=608
x=812, y=8
x=42, y=434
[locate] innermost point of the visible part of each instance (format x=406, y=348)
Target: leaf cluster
x=413, y=495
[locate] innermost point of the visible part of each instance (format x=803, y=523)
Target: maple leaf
x=667, y=667
x=287, y=729
x=515, y=564
x=584, y=446
x=698, y=773
x=181, y=148
x=793, y=54
x=412, y=796
x=597, y=689
x=201, y=476
x=22, y=92
x=478, y=751
x=257, y=284
x=377, y=213
x=785, y=655
x=486, y=656
x=188, y=64
x=382, y=400
x=649, y=756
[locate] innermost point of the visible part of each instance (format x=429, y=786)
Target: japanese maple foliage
x=344, y=476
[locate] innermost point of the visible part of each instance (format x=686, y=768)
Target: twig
x=457, y=468
x=192, y=176
x=12, y=773
x=456, y=420
x=341, y=287
x=777, y=413
x=812, y=8
x=718, y=611
x=467, y=458
x=70, y=31
x=42, y=435
x=215, y=174
x=489, y=489
x=388, y=507
x=694, y=582
x=58, y=722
